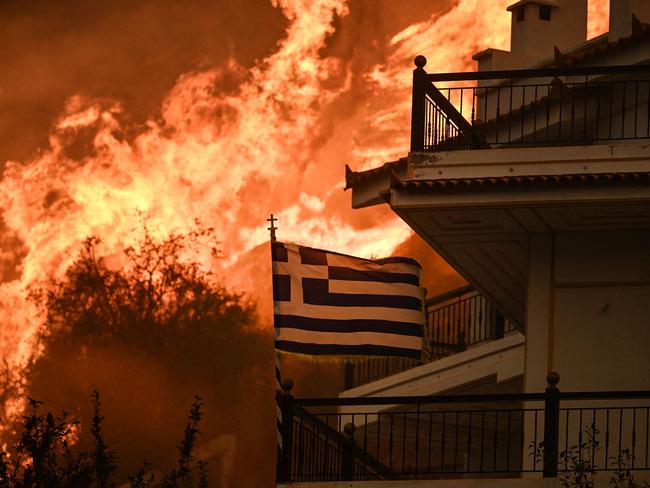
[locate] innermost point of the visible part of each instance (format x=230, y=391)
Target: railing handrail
x=484, y=398
x=482, y=438
x=335, y=436
x=538, y=73
x=449, y=295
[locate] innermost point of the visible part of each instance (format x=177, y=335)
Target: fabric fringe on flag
x=333, y=306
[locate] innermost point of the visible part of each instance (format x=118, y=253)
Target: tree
x=149, y=334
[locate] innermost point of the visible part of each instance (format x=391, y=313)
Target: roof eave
x=370, y=187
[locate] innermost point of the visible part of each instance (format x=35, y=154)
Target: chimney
x=538, y=26
x=620, y=16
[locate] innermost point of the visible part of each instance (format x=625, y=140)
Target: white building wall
x=594, y=327
x=601, y=336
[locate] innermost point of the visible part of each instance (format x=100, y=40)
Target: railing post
x=499, y=326
x=417, y=104
x=285, y=404
x=551, y=425
x=348, y=453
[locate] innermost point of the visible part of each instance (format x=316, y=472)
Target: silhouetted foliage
x=44, y=457
x=155, y=302
x=148, y=327
x=577, y=467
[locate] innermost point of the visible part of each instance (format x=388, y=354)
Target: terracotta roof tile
x=468, y=184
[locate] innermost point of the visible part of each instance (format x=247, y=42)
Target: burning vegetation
x=151, y=334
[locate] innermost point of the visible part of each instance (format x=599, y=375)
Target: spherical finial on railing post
x=286, y=386
x=349, y=429
x=552, y=379
x=420, y=61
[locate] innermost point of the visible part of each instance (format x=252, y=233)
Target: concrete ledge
x=517, y=161
x=474, y=483
x=600, y=482
x=503, y=358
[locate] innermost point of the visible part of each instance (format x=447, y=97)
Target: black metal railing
x=455, y=321
x=579, y=105
x=464, y=436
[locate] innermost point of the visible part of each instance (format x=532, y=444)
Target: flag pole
x=278, y=377
x=282, y=398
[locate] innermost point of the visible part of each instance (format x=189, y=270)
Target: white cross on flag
x=327, y=303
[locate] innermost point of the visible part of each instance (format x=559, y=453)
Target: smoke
x=222, y=111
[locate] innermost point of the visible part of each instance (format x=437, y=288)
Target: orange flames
x=228, y=156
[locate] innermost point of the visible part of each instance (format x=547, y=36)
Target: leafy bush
x=577, y=468
x=44, y=457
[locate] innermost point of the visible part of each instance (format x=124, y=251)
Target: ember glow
x=276, y=142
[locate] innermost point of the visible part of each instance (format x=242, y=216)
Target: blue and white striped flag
x=327, y=303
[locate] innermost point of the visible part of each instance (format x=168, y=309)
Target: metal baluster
x=482, y=445
x=443, y=442
x=508, y=441
x=534, y=441
x=606, y=437
x=548, y=111
x=429, y=443
x=559, y=116
x=523, y=431
x=523, y=110
x=620, y=433
x=623, y=111
x=390, y=444
x=404, y=442
x=479, y=303
x=572, y=93
x=473, y=106
x=485, y=107
x=598, y=111
x=611, y=108
x=456, y=443
x=510, y=112
x=365, y=433
x=417, y=437
x=378, y=435
x=496, y=439
x=498, y=113
x=647, y=129
x=300, y=451
x=593, y=423
x=566, y=439
x=584, y=114
x=580, y=429
x=316, y=454
x=633, y=436
x=636, y=106
x=469, y=442
x=447, y=125
x=647, y=437
x=326, y=450
x=535, y=115
x=462, y=90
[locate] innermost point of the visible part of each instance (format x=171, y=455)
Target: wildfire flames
x=275, y=143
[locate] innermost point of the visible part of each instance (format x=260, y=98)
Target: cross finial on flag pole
x=273, y=228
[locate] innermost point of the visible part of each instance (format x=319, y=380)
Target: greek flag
x=327, y=303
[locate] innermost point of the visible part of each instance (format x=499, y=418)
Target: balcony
x=529, y=108
x=456, y=321
x=465, y=436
